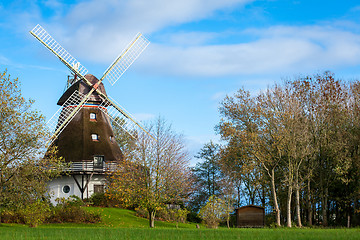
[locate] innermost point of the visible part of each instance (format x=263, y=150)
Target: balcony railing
x=89, y=166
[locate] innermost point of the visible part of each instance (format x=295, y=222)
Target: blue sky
x=200, y=51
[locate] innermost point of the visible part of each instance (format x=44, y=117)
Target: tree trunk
x=238, y=195
x=152, y=218
x=309, y=205
x=297, y=195
x=273, y=189
x=298, y=215
x=263, y=200
x=324, y=206
x=349, y=216
x=288, y=207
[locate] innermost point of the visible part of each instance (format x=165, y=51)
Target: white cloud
x=355, y=9
x=277, y=49
x=144, y=116
x=188, y=38
x=100, y=29
x=147, y=16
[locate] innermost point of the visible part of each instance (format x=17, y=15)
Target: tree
x=228, y=196
x=250, y=128
x=23, y=170
x=213, y=212
x=325, y=102
x=207, y=175
x=179, y=215
x=303, y=131
x=157, y=172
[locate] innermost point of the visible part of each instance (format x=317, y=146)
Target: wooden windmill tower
x=82, y=126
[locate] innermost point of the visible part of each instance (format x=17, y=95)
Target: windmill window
x=111, y=138
x=66, y=189
x=95, y=137
x=93, y=116
x=99, y=188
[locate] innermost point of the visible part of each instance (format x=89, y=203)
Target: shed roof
x=250, y=206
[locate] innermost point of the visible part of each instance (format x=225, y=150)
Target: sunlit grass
x=123, y=224
x=17, y=232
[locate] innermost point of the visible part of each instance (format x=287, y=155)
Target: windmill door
x=98, y=162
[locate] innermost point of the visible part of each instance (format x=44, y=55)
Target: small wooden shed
x=250, y=216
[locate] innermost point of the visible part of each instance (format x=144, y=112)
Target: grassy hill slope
x=121, y=218
x=124, y=224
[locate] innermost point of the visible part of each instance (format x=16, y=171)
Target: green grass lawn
x=123, y=224
x=18, y=232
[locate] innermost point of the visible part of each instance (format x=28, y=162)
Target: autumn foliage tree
x=303, y=134
x=23, y=170
x=157, y=172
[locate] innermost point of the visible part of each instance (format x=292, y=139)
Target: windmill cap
x=84, y=88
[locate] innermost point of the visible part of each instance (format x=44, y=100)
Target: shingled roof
x=75, y=142
x=83, y=88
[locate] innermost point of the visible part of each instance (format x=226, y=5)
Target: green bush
x=73, y=214
x=35, y=213
x=193, y=217
x=101, y=200
x=73, y=200
x=12, y=216
x=71, y=210
x=165, y=214
x=213, y=212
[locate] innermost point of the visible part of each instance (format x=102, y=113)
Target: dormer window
x=95, y=137
x=92, y=116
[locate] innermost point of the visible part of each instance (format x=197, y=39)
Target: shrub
x=12, y=216
x=67, y=210
x=193, y=217
x=35, y=213
x=71, y=210
x=165, y=214
x=213, y=212
x=101, y=200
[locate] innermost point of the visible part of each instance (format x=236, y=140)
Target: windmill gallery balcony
x=91, y=166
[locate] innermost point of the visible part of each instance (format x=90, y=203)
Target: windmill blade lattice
x=50, y=43
x=125, y=59
x=122, y=118
x=113, y=73
x=62, y=115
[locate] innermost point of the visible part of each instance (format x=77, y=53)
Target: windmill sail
x=122, y=118
x=64, y=115
x=49, y=42
x=125, y=59
x=113, y=73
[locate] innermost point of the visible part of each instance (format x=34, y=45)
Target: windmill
x=81, y=128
